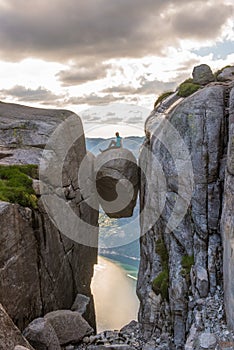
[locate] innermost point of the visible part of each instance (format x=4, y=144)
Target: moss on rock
x=16, y=184
x=161, y=282
x=187, y=88
x=187, y=262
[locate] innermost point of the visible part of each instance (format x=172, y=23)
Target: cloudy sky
x=79, y=54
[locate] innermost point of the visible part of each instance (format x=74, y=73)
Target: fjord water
x=114, y=282
x=114, y=291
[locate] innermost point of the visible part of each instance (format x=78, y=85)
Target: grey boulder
x=41, y=335
x=69, y=326
x=80, y=304
x=202, y=74
x=227, y=74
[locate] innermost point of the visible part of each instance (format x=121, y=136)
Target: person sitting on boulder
x=117, y=143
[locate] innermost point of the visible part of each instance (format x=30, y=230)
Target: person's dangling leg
x=112, y=144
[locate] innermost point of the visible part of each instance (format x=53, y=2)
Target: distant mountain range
x=133, y=143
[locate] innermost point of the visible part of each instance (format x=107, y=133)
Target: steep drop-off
x=181, y=243
x=227, y=223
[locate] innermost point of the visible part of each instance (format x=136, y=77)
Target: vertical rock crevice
x=194, y=246
x=227, y=221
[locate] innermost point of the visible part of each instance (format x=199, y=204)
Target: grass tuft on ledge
x=16, y=184
x=162, y=97
x=187, y=88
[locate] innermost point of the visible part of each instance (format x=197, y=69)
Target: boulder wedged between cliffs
x=117, y=182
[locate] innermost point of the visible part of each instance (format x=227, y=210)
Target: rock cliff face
x=181, y=248
x=24, y=131
x=41, y=269
x=227, y=223
x=10, y=335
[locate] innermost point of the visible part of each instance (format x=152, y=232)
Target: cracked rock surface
x=182, y=265
x=46, y=267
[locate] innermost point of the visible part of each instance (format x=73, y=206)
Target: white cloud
x=73, y=52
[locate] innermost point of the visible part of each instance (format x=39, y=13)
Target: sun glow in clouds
x=94, y=59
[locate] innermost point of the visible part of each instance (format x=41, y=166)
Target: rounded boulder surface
x=69, y=326
x=41, y=335
x=227, y=74
x=117, y=182
x=202, y=75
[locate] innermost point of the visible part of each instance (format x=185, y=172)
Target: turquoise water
x=131, y=270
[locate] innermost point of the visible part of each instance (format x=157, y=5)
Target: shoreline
x=128, y=264
x=114, y=292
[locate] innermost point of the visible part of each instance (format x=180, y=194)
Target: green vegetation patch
x=162, y=97
x=187, y=262
x=161, y=283
x=187, y=88
x=16, y=184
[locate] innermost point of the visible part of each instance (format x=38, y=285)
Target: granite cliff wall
x=41, y=269
x=227, y=222
x=181, y=259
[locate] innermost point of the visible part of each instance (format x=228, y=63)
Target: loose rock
x=202, y=74
x=80, y=304
x=227, y=74
x=41, y=335
x=69, y=326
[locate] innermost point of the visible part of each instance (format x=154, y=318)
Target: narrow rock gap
x=35, y=225
x=66, y=256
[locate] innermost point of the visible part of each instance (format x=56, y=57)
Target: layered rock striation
x=188, y=143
